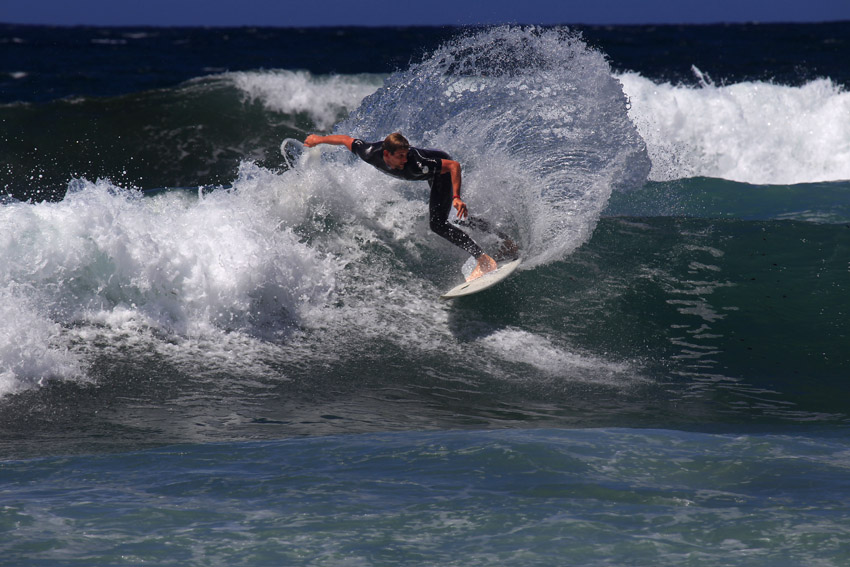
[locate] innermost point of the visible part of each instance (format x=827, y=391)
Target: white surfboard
x=480, y=284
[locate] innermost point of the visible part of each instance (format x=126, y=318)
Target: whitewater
x=755, y=132
x=280, y=254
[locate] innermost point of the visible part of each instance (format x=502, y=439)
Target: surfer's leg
x=477, y=223
x=507, y=251
x=438, y=212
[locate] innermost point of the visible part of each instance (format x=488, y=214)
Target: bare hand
x=312, y=141
x=462, y=213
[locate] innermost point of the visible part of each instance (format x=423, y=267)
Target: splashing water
x=537, y=121
x=534, y=116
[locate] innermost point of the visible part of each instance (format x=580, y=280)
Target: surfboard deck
x=480, y=284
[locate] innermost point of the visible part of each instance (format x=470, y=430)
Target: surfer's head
x=395, y=142
x=395, y=148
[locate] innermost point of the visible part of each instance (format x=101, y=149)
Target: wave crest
x=753, y=132
x=324, y=98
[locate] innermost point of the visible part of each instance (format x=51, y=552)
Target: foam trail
x=538, y=352
x=753, y=132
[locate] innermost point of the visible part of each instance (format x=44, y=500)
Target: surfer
x=395, y=156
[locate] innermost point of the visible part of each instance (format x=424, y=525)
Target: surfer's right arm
x=334, y=139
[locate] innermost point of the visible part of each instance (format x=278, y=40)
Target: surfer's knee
x=440, y=226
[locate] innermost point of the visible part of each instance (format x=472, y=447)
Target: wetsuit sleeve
x=369, y=152
x=358, y=147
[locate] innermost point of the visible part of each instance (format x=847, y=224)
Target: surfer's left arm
x=453, y=168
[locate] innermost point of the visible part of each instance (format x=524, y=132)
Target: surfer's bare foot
x=485, y=264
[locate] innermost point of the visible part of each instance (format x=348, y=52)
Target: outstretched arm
x=334, y=139
x=453, y=168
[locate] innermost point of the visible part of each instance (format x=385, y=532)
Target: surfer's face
x=395, y=160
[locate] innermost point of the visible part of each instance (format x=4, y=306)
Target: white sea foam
x=222, y=273
x=754, y=132
x=325, y=98
x=31, y=346
x=227, y=277
x=185, y=267
x=331, y=249
x=538, y=352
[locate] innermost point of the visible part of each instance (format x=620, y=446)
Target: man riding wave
x=395, y=156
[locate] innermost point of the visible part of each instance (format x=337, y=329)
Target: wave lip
x=753, y=132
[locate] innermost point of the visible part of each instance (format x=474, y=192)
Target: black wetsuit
x=425, y=165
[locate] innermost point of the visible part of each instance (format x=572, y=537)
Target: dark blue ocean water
x=219, y=349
